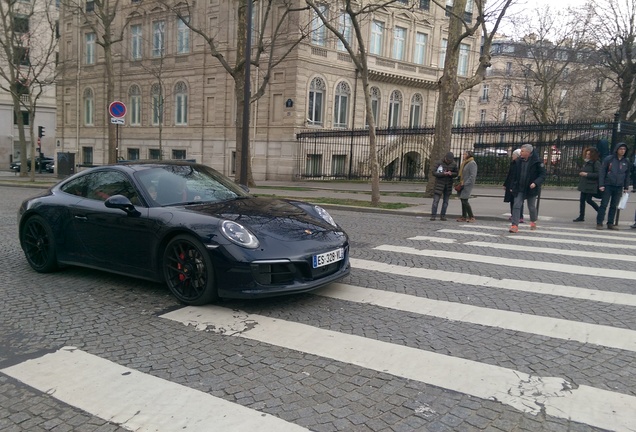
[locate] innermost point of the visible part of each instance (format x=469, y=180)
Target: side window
x=76, y=187
x=105, y=184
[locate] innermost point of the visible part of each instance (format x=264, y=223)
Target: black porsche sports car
x=184, y=224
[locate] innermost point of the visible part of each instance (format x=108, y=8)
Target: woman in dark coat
x=588, y=181
x=508, y=196
x=444, y=174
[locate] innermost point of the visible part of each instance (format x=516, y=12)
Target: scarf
x=461, y=169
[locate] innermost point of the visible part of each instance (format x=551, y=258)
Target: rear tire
x=36, y=238
x=188, y=271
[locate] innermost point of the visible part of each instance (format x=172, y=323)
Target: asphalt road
x=439, y=327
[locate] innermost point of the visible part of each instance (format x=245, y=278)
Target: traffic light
x=40, y=131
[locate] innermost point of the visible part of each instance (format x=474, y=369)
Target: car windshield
x=186, y=184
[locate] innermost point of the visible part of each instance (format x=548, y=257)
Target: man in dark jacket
x=529, y=174
x=613, y=180
x=444, y=174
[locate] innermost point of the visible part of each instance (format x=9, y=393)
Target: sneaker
x=461, y=219
x=470, y=220
x=612, y=227
x=443, y=218
x=533, y=226
x=579, y=219
x=432, y=218
x=513, y=229
x=633, y=226
x=521, y=220
x=600, y=227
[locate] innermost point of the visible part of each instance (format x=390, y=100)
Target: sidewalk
x=555, y=204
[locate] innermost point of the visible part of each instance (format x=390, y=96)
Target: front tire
x=188, y=271
x=36, y=238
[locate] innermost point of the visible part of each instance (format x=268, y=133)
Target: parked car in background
x=45, y=161
x=186, y=225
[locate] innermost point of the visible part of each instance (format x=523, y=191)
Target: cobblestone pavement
x=118, y=319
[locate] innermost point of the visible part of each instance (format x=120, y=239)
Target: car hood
x=266, y=215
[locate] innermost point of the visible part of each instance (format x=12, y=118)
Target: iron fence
x=404, y=154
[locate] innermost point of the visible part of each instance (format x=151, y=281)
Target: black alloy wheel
x=189, y=272
x=38, y=244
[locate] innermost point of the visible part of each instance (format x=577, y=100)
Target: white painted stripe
x=590, y=234
x=511, y=262
x=544, y=326
x=574, y=242
x=565, y=252
x=534, y=238
x=509, y=284
x=464, y=232
x=552, y=251
x=532, y=394
x=134, y=400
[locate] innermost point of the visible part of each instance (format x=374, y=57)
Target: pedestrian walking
x=613, y=180
x=529, y=174
x=508, y=196
x=467, y=177
x=588, y=181
x=444, y=177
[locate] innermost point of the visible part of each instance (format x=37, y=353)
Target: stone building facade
x=36, y=39
x=315, y=87
x=536, y=81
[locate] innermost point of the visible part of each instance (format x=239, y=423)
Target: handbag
x=458, y=187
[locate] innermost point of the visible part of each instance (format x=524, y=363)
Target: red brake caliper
x=182, y=276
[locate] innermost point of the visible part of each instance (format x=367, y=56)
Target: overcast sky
x=522, y=6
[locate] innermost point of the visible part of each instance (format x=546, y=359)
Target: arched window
x=134, y=97
x=317, y=90
x=395, y=109
x=374, y=93
x=89, y=107
x=181, y=103
x=157, y=104
x=415, y=114
x=341, y=105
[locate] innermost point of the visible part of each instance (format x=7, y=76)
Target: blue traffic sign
x=117, y=109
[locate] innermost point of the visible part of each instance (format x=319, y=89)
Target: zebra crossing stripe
x=552, y=251
x=511, y=262
x=134, y=400
x=598, y=245
x=509, y=284
x=572, y=232
x=533, y=394
x=607, y=336
x=546, y=251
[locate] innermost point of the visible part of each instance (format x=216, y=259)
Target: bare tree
x=27, y=63
x=100, y=16
x=355, y=13
x=274, y=39
x=486, y=23
x=553, y=60
x=614, y=31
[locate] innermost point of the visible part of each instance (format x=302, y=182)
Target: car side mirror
x=122, y=203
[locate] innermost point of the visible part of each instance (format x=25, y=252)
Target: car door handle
x=82, y=218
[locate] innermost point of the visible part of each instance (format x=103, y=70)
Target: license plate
x=328, y=258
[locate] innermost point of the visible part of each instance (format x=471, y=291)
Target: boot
x=579, y=219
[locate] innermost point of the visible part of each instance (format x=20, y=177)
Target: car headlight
x=238, y=234
x=325, y=215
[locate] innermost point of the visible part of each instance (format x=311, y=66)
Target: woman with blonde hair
x=588, y=181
